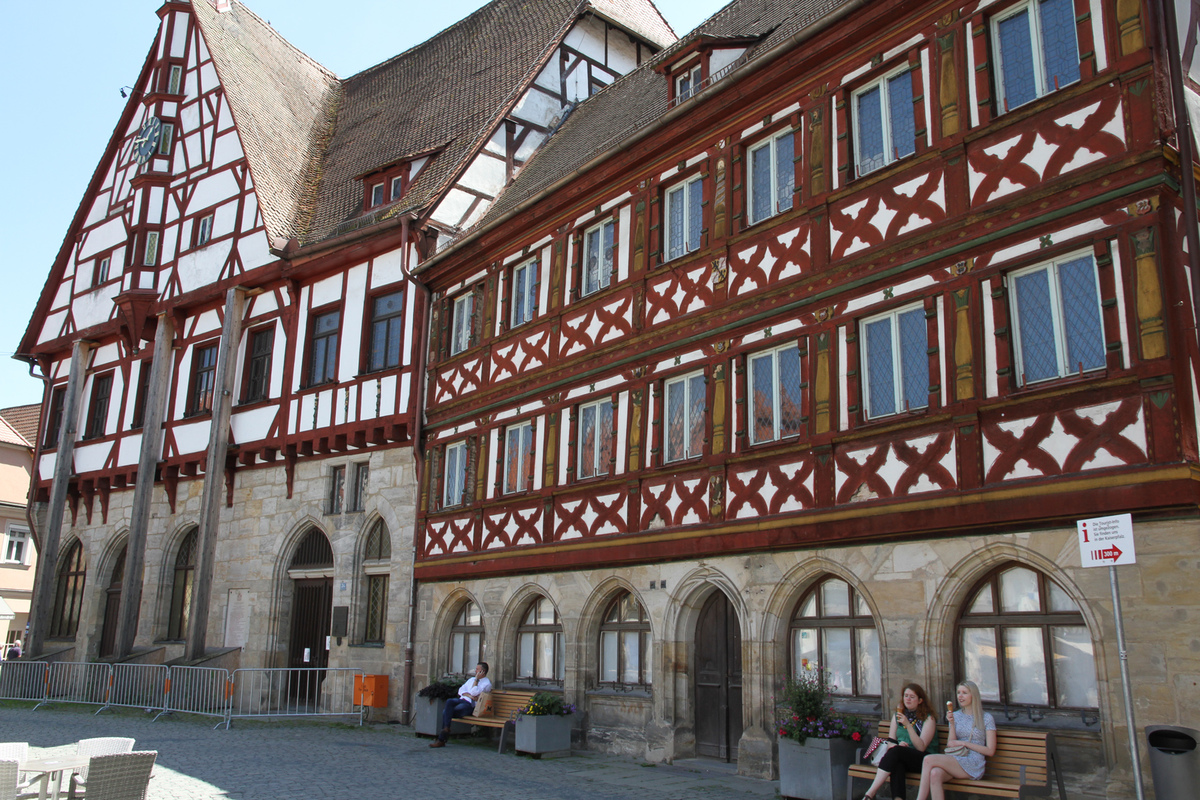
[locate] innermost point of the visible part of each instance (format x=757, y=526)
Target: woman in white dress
x=971, y=742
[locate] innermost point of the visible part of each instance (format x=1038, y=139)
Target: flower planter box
x=429, y=718
x=815, y=770
x=544, y=734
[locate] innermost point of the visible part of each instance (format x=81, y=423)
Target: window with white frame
x=772, y=176
x=524, y=292
x=540, y=644
x=175, y=81
x=463, y=323
x=16, y=546
x=204, y=230
x=377, y=195
x=775, y=407
x=101, y=272
x=397, y=187
x=687, y=84
x=895, y=362
x=1036, y=50
x=1024, y=641
x=686, y=402
x=833, y=630
x=455, y=475
x=150, y=255
x=599, y=256
x=165, y=137
x=595, y=438
x=466, y=640
x=885, y=128
x=518, y=457
x=625, y=643
x=683, y=217
x=1056, y=319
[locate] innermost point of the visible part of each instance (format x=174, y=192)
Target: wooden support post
x=139, y=518
x=43, y=595
x=214, y=475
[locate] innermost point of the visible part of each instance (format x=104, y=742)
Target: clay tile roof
x=283, y=103
x=636, y=101
x=447, y=95
x=18, y=425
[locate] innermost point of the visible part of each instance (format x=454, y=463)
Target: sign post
x=1108, y=542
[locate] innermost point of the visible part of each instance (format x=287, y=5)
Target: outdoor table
x=51, y=770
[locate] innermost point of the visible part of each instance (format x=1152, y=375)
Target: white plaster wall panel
x=253, y=425
x=93, y=308
x=1099, y=46
x=549, y=77
x=99, y=208
x=451, y=210
x=1058, y=444
x=255, y=250
x=46, y=462
x=92, y=457
x=720, y=59
x=208, y=77
x=192, y=437
x=475, y=214
x=388, y=388
x=388, y=269
x=565, y=435
x=578, y=84
x=622, y=53
x=569, y=283
x=325, y=292
x=201, y=51
x=53, y=326
x=278, y=354
x=537, y=107
x=224, y=117
x=926, y=92
x=199, y=268
x=843, y=397
x=494, y=439
x=166, y=250
x=588, y=37
x=539, y=452
x=208, y=322
x=212, y=189
x=179, y=35
x=486, y=175
x=943, y=366
x=768, y=490
x=224, y=219
x=532, y=142
x=972, y=93
x=103, y=237
x=498, y=143
x=1119, y=278
x=249, y=212
x=625, y=237
x=129, y=449
x=991, y=382
x=169, y=109
x=62, y=297
x=172, y=214
x=227, y=149
x=193, y=149
x=189, y=118
x=353, y=308
x=406, y=354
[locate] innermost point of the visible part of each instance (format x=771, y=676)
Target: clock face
x=146, y=141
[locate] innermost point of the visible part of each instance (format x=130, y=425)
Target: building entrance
x=718, y=680
x=112, y=607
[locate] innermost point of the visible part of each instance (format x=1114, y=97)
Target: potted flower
x=544, y=725
x=816, y=744
x=429, y=711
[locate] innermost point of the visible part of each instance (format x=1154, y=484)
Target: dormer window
x=397, y=188
x=377, y=195
x=688, y=83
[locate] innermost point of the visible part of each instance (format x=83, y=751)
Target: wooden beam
x=43, y=596
x=143, y=488
x=214, y=478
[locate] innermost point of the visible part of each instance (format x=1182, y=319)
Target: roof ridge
x=654, y=6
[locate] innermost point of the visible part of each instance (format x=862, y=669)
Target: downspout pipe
x=1187, y=163
x=37, y=454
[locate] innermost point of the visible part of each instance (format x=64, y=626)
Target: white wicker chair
x=102, y=746
x=10, y=786
x=121, y=776
x=14, y=751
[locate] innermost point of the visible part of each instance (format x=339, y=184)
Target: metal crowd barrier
x=303, y=692
x=23, y=680
x=204, y=691
x=139, y=686
x=78, y=682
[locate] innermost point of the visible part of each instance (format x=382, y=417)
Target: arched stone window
x=833, y=627
x=377, y=562
x=314, y=552
x=68, y=595
x=466, y=640
x=1024, y=641
x=625, y=643
x=181, y=587
x=540, y=644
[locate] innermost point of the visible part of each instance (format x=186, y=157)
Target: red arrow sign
x=1112, y=554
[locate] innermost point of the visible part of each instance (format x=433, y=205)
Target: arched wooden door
x=312, y=606
x=718, y=680
x=112, y=607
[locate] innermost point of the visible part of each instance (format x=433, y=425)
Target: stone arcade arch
x=306, y=605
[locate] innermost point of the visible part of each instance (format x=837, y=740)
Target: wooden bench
x=1020, y=767
x=506, y=704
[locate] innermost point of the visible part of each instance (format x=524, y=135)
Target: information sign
x=1106, y=541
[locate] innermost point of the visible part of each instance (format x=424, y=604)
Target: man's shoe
x=437, y=743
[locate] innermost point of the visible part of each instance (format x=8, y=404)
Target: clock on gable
x=146, y=141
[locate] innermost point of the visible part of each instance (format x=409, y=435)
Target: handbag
x=879, y=747
x=957, y=752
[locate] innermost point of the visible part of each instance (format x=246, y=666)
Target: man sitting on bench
x=464, y=704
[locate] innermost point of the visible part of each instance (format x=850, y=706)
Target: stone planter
x=815, y=770
x=429, y=718
x=544, y=734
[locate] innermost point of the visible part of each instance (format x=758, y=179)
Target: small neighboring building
x=18, y=559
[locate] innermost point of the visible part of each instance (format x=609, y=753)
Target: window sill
x=246, y=405
x=366, y=645
x=630, y=692
x=1035, y=718
x=534, y=685
x=376, y=373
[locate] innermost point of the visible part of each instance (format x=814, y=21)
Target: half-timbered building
x=812, y=338
x=230, y=341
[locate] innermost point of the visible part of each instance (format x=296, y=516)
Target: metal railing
x=205, y=691
x=303, y=692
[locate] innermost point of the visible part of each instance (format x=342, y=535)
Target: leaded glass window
x=599, y=256
x=685, y=399
x=684, y=205
x=518, y=457
x=540, y=644
x=1056, y=317
x=772, y=176
x=181, y=587
x=625, y=643
x=895, y=362
x=884, y=123
x=466, y=640
x=1037, y=51
x=596, y=438
x=524, y=292
x=776, y=412
x=834, y=630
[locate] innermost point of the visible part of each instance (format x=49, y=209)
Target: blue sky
x=60, y=90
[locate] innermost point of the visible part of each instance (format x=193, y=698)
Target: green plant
x=547, y=704
x=806, y=709
x=444, y=688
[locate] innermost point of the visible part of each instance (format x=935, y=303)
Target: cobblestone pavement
x=260, y=760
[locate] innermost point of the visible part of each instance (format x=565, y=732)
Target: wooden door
x=718, y=680
x=112, y=606
x=312, y=603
